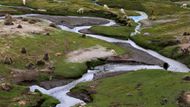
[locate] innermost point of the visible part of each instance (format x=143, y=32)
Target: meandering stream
x=60, y=93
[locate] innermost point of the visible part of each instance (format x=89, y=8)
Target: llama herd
x=122, y=11
x=105, y=7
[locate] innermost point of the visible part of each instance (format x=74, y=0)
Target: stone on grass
x=19, y=26
x=53, y=25
x=23, y=50
x=164, y=101
x=22, y=103
x=186, y=34
x=32, y=21
x=25, y=19
x=40, y=63
x=58, y=54
x=129, y=94
x=184, y=99
x=8, y=20
x=51, y=68
x=30, y=66
x=186, y=78
x=46, y=57
x=47, y=34
x=8, y=60
x=83, y=35
x=6, y=86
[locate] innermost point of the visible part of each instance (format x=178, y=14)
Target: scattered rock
x=164, y=101
x=83, y=35
x=32, y=21
x=51, y=67
x=8, y=20
x=47, y=34
x=6, y=86
x=23, y=51
x=129, y=22
x=40, y=63
x=53, y=25
x=25, y=19
x=19, y=26
x=22, y=103
x=186, y=78
x=46, y=57
x=30, y=66
x=138, y=86
x=184, y=99
x=186, y=34
x=129, y=94
x=58, y=54
x=46, y=70
x=8, y=60
x=152, y=17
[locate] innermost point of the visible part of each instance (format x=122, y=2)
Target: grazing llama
x=122, y=11
x=184, y=5
x=80, y=11
x=24, y=2
x=106, y=7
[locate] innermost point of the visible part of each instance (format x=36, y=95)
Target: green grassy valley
x=52, y=53
x=145, y=88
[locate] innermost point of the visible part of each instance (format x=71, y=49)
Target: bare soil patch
x=24, y=27
x=91, y=53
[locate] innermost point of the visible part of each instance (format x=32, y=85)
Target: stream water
x=60, y=93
